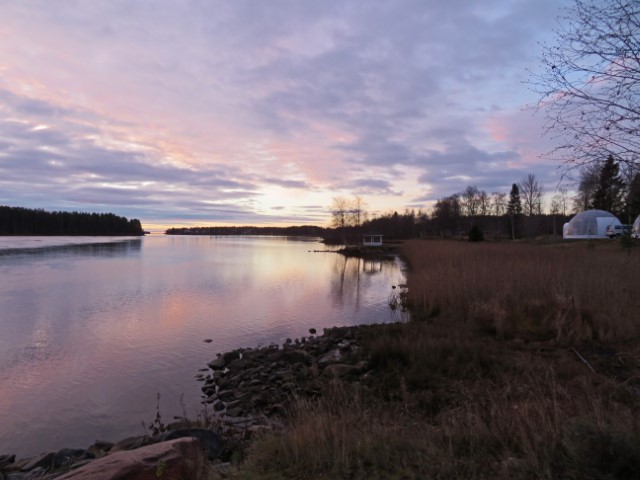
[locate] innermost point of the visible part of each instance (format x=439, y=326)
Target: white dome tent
x=589, y=224
x=636, y=227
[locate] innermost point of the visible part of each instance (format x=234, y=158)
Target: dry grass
x=486, y=386
x=568, y=292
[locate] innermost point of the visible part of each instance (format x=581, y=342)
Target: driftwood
x=584, y=360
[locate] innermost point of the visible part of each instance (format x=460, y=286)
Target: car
x=618, y=230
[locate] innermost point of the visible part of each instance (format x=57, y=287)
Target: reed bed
x=570, y=292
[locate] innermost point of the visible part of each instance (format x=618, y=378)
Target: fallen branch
x=584, y=360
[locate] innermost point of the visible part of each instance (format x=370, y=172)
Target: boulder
x=210, y=441
x=67, y=456
x=102, y=445
x=238, y=364
x=291, y=356
x=182, y=458
x=44, y=460
x=6, y=460
x=130, y=443
x=217, y=364
x=333, y=356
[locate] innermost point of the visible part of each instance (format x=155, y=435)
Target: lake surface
x=91, y=333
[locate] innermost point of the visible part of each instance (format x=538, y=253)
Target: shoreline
x=245, y=392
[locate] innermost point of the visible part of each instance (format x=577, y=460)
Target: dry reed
x=569, y=292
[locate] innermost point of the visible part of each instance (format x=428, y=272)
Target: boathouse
x=372, y=240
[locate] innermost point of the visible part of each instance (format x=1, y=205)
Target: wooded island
x=26, y=221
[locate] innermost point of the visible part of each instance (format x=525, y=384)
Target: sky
x=252, y=112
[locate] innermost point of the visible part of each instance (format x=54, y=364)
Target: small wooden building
x=371, y=240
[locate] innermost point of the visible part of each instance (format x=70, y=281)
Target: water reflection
x=352, y=276
x=97, y=248
x=91, y=333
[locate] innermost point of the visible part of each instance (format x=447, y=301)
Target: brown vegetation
x=569, y=292
x=521, y=362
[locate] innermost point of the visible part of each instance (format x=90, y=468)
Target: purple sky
x=259, y=112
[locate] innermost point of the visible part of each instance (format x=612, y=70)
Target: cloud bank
x=261, y=112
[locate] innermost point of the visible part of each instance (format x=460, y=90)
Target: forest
x=295, y=231
x=26, y=221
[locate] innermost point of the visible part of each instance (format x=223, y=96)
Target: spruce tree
x=514, y=210
x=632, y=206
x=609, y=193
x=515, y=205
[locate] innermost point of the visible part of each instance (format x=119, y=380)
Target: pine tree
x=514, y=209
x=608, y=194
x=632, y=206
x=515, y=205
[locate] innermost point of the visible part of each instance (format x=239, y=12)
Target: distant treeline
x=25, y=221
x=298, y=231
x=398, y=226
x=449, y=224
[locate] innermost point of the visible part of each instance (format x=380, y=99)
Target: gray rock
x=129, y=443
x=210, y=441
x=218, y=406
x=6, y=460
x=226, y=395
x=231, y=356
x=290, y=356
x=102, y=445
x=224, y=382
x=333, y=356
x=37, y=472
x=66, y=456
x=235, y=411
x=255, y=382
x=44, y=460
x=208, y=391
x=217, y=364
x=237, y=364
x=181, y=458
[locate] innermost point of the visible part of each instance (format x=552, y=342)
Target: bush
x=476, y=234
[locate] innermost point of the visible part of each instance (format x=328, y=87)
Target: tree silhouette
x=609, y=193
x=25, y=221
x=590, y=83
x=514, y=209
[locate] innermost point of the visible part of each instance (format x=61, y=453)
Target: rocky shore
x=244, y=391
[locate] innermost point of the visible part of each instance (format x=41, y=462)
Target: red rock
x=180, y=459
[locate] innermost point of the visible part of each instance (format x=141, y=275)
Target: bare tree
x=531, y=191
x=357, y=212
x=484, y=203
x=559, y=202
x=346, y=213
x=469, y=200
x=446, y=214
x=590, y=83
x=589, y=179
x=499, y=203
x=339, y=212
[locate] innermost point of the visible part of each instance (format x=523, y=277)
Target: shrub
x=476, y=234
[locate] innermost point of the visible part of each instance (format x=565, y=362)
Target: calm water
x=91, y=333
